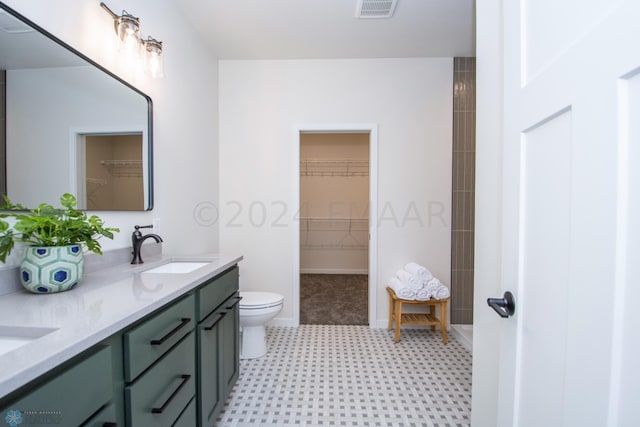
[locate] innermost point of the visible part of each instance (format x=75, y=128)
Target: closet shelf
x=348, y=247
x=123, y=168
x=96, y=181
x=334, y=224
x=337, y=167
x=334, y=233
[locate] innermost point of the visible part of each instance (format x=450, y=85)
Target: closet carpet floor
x=334, y=299
x=344, y=375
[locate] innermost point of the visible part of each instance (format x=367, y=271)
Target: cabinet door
x=210, y=391
x=68, y=398
x=230, y=344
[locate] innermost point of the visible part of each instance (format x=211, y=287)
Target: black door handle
x=215, y=322
x=505, y=306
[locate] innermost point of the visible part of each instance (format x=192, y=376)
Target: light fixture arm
x=109, y=11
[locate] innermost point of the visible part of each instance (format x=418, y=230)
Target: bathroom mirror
x=69, y=125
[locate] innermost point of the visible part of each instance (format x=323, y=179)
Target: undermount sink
x=12, y=337
x=177, y=267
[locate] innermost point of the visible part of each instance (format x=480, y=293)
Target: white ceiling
x=305, y=29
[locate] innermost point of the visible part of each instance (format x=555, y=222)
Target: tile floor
x=345, y=375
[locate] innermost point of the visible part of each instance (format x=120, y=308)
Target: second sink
x=12, y=337
x=177, y=267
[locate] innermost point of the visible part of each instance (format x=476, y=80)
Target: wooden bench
x=424, y=319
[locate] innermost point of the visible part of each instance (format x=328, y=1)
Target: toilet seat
x=259, y=300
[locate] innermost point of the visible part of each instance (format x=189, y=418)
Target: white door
x=571, y=213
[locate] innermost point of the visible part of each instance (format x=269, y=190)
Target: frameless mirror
x=69, y=125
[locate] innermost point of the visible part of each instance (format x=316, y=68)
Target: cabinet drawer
x=106, y=417
x=159, y=396
x=70, y=397
x=188, y=417
x=151, y=339
x=212, y=294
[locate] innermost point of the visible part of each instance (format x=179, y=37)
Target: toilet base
x=254, y=342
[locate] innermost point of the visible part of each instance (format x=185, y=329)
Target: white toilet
x=256, y=309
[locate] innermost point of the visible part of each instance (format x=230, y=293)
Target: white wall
x=262, y=101
x=184, y=107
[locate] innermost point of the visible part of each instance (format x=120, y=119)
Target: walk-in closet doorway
x=335, y=241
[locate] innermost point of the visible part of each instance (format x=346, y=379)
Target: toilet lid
x=260, y=299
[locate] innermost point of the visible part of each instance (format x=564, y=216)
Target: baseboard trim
x=288, y=322
x=461, y=337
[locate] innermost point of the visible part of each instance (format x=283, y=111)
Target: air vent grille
x=368, y=9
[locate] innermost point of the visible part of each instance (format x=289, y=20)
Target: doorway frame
x=372, y=130
x=77, y=152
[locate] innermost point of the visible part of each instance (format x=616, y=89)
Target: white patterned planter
x=52, y=268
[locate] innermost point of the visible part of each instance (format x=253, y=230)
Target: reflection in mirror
x=69, y=125
x=110, y=172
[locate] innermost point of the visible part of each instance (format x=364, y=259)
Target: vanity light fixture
x=127, y=28
x=153, y=57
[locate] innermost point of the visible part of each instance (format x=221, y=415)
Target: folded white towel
x=409, y=279
x=402, y=291
x=419, y=271
x=442, y=292
x=432, y=284
x=424, y=294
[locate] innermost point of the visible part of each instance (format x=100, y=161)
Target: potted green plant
x=54, y=260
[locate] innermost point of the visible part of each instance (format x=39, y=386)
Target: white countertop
x=103, y=303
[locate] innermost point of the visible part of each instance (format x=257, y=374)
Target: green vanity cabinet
x=70, y=396
x=218, y=344
x=174, y=367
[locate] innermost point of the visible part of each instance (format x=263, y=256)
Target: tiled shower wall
x=462, y=218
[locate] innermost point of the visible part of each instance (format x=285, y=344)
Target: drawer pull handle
x=185, y=379
x=110, y=424
x=183, y=322
x=215, y=322
x=237, y=300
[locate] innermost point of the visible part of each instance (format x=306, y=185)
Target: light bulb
x=129, y=35
x=153, y=58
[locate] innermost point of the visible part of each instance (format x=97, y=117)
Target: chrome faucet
x=137, y=239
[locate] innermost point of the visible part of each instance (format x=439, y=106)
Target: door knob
x=504, y=306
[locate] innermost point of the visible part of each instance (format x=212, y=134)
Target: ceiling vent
x=372, y=9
